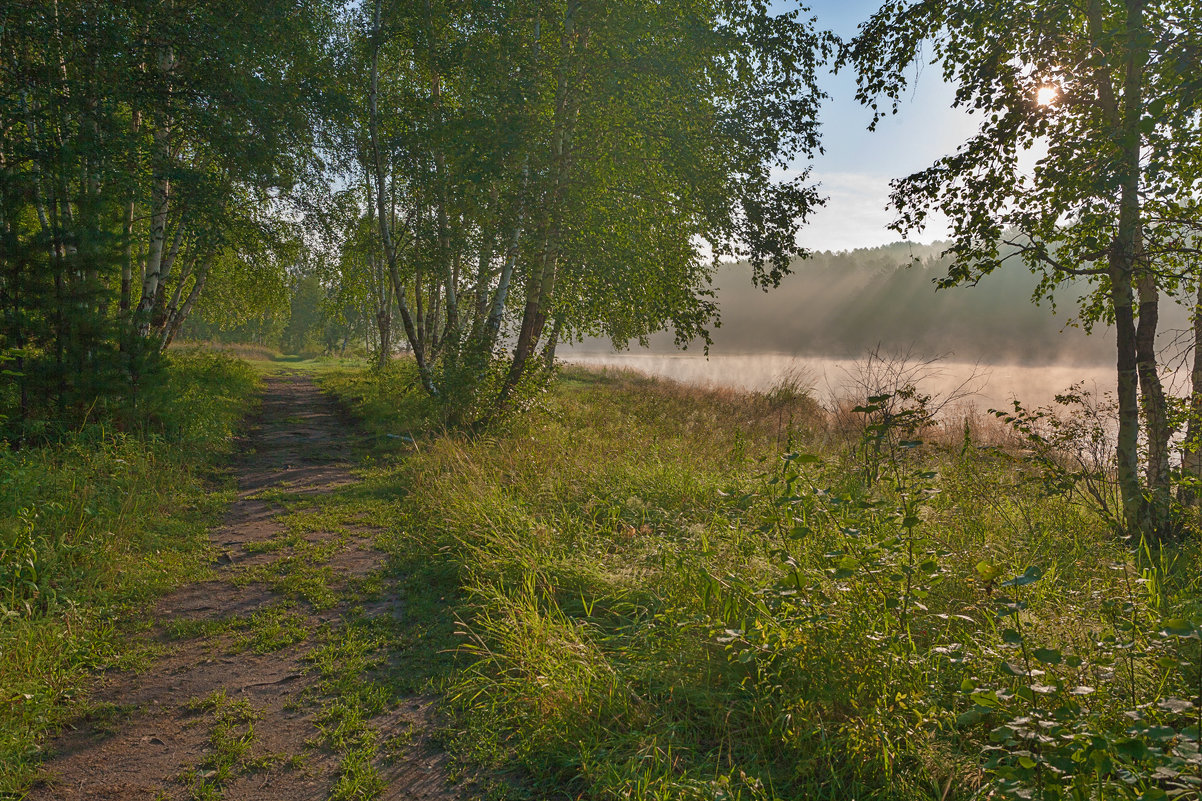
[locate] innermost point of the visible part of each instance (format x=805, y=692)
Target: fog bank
x=842, y=305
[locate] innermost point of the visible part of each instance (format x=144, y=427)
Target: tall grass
x=676, y=593
x=92, y=528
x=247, y=351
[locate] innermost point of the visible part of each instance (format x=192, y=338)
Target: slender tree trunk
x=170, y=309
x=127, y=269
x=158, y=316
x=1191, y=459
x=1155, y=409
x=488, y=240
x=540, y=285
x=60, y=322
x=492, y=326
x=90, y=206
x=552, y=342
x=414, y=343
x=449, y=332
x=390, y=251
x=160, y=200
x=384, y=325
x=38, y=194
x=420, y=315
x=1127, y=446
x=381, y=288
x=178, y=319
x=1123, y=261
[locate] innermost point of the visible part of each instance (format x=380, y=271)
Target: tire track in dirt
x=215, y=719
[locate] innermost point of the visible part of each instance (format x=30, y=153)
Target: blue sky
x=857, y=166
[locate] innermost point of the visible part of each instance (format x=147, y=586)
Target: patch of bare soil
x=214, y=720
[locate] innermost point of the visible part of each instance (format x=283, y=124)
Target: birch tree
x=1108, y=90
x=545, y=169
x=136, y=140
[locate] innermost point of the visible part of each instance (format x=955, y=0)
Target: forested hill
x=843, y=304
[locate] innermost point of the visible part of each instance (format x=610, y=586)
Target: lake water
x=985, y=385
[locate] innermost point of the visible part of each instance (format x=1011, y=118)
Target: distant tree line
x=845, y=304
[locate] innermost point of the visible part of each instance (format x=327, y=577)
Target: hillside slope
x=844, y=304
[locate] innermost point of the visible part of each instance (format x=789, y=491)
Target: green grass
x=93, y=529
x=645, y=591
x=230, y=750
x=265, y=361
x=264, y=631
x=303, y=573
x=359, y=676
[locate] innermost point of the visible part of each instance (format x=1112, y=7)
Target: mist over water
x=831, y=379
x=991, y=340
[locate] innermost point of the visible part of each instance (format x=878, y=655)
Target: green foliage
x=247, y=299
x=1071, y=446
x=305, y=319
x=137, y=170
x=93, y=527
x=1120, y=93
x=640, y=145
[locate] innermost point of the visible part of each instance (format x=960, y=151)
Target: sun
x=1047, y=95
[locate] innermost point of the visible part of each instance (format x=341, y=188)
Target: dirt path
x=265, y=688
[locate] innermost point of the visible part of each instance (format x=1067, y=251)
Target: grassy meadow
x=641, y=590
x=93, y=526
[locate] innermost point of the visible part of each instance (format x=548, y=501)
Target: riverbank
x=978, y=384
x=669, y=592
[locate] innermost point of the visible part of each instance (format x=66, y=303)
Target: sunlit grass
x=652, y=603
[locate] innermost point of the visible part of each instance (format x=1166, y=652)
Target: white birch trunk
x=160, y=202
x=178, y=318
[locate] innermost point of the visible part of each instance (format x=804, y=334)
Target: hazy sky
x=857, y=166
